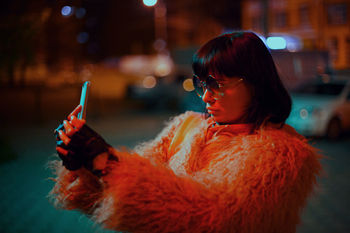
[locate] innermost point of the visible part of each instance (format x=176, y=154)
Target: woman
x=239, y=170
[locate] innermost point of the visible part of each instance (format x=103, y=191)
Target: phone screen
x=84, y=99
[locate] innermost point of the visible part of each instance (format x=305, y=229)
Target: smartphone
x=83, y=99
x=83, y=102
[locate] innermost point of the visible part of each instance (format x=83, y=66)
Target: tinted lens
x=212, y=85
x=197, y=86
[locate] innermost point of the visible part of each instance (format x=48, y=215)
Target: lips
x=212, y=110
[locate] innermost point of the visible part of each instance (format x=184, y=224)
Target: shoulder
x=280, y=140
x=281, y=137
x=280, y=148
x=269, y=147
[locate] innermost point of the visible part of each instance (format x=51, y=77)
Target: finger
x=61, y=151
x=61, y=126
x=75, y=111
x=68, y=128
x=64, y=137
x=77, y=123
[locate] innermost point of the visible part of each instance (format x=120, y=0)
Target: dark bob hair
x=244, y=54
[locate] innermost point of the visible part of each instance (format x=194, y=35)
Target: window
x=333, y=48
x=304, y=15
x=337, y=14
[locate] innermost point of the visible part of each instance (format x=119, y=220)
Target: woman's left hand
x=64, y=133
x=77, y=144
x=70, y=126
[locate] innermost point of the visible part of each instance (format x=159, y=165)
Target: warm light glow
x=67, y=11
x=276, y=42
x=188, y=85
x=159, y=44
x=150, y=2
x=149, y=82
x=158, y=65
x=162, y=69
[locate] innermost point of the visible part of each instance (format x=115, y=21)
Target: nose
x=208, y=97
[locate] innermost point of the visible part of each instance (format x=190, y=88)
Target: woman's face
x=230, y=106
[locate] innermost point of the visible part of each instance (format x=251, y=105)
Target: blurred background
x=137, y=54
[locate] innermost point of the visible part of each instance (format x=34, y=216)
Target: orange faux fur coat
x=199, y=177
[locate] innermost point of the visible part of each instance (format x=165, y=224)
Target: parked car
x=321, y=108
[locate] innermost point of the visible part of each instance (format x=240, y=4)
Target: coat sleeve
x=83, y=191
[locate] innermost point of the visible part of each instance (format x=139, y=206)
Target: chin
x=219, y=119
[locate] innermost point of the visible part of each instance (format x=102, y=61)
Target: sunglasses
x=212, y=85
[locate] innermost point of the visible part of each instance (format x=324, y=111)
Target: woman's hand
x=77, y=144
x=70, y=126
x=63, y=134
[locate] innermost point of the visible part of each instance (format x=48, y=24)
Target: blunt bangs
x=215, y=57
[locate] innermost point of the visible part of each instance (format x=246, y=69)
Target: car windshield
x=321, y=89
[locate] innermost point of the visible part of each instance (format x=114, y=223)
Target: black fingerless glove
x=82, y=149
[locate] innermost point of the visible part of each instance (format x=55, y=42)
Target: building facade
x=319, y=24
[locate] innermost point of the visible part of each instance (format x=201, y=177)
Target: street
x=24, y=184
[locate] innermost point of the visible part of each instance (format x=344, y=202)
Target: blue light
x=80, y=13
x=150, y=2
x=66, y=11
x=276, y=42
x=83, y=37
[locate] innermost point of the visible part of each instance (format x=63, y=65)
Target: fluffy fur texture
x=215, y=179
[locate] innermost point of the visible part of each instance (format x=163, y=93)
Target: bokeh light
x=162, y=69
x=150, y=2
x=83, y=37
x=276, y=42
x=149, y=81
x=80, y=13
x=304, y=113
x=188, y=85
x=67, y=11
x=159, y=45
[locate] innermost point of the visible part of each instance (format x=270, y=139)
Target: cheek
x=237, y=99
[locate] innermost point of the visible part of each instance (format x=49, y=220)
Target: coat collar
x=230, y=129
